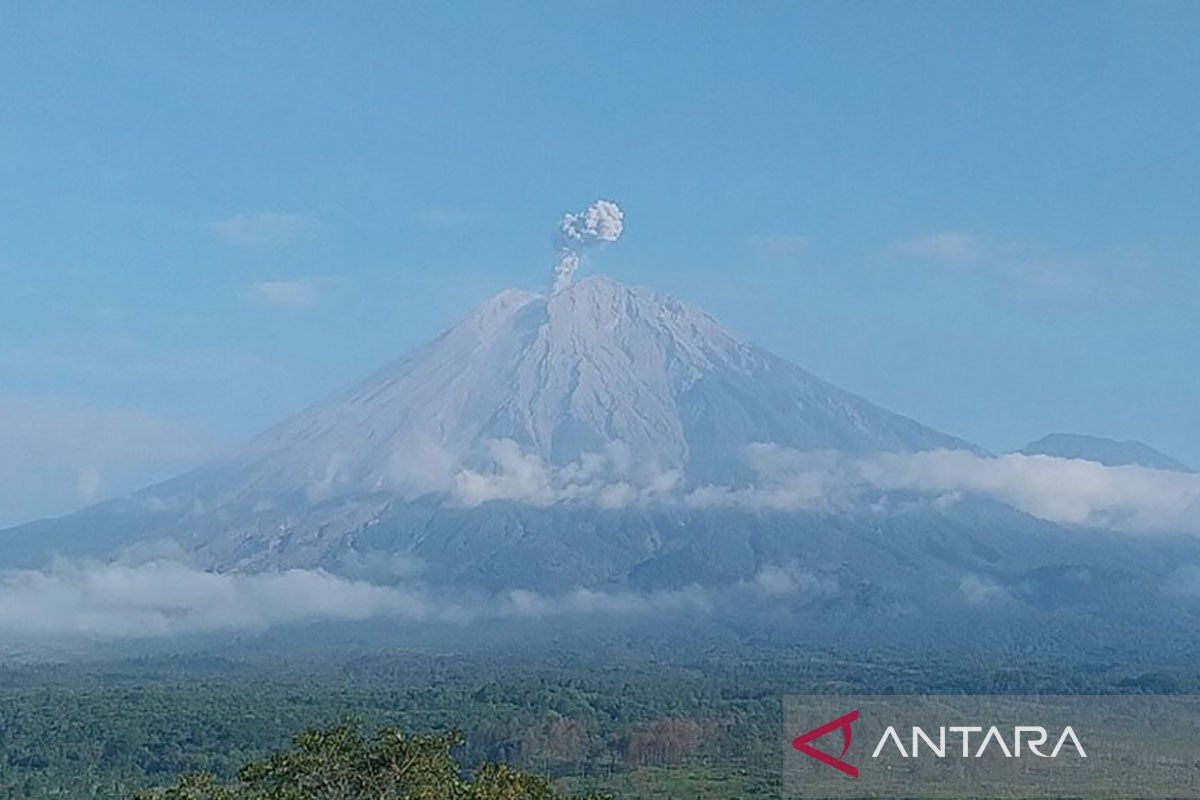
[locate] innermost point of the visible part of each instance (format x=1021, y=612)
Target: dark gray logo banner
x=1062, y=746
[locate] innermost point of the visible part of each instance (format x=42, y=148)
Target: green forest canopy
x=340, y=763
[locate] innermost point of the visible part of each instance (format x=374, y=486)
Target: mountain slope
x=563, y=376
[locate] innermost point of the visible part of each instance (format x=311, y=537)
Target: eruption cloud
x=602, y=221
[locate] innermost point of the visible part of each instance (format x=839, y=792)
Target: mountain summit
x=591, y=366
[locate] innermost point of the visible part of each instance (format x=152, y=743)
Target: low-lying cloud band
x=1067, y=491
x=160, y=598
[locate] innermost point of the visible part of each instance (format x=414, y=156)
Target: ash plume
x=602, y=221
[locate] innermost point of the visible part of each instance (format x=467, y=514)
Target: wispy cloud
x=612, y=478
x=791, y=579
x=587, y=601
x=261, y=228
x=1037, y=269
x=1063, y=490
x=163, y=598
x=951, y=247
x=786, y=480
x=298, y=293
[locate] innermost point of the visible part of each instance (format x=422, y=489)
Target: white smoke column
x=602, y=221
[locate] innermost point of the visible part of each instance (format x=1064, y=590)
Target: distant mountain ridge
x=1110, y=452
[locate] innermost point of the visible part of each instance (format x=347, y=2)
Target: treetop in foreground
x=340, y=763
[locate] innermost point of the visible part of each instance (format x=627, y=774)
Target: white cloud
x=786, y=580
x=161, y=598
x=612, y=478
x=261, y=228
x=953, y=247
x=523, y=603
x=1065, y=491
x=516, y=475
x=786, y=480
x=301, y=293
x=56, y=453
x=1062, y=490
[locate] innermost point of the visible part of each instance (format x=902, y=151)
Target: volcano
x=554, y=441
x=596, y=366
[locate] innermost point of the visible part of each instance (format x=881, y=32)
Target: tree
x=339, y=763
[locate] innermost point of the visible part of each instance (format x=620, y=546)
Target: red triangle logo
x=842, y=723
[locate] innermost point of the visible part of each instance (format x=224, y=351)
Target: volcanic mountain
x=585, y=369
x=578, y=439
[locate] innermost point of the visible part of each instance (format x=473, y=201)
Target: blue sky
x=211, y=215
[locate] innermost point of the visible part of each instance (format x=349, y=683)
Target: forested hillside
x=706, y=730
x=340, y=763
